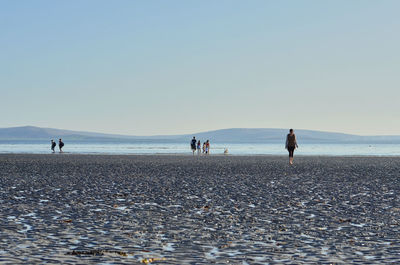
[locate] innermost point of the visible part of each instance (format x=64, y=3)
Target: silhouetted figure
x=193, y=144
x=291, y=144
x=60, y=145
x=53, y=145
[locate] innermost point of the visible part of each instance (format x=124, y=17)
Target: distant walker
x=291, y=144
x=53, y=145
x=193, y=144
x=60, y=145
x=207, y=147
x=198, y=147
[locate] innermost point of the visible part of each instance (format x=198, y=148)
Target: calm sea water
x=181, y=148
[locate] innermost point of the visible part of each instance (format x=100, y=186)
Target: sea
x=147, y=148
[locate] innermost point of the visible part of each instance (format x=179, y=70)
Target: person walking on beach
x=60, y=145
x=207, y=147
x=204, y=147
x=193, y=144
x=291, y=144
x=198, y=147
x=53, y=145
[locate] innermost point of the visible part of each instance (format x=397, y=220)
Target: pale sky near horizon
x=174, y=67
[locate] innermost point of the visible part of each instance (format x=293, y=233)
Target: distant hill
x=234, y=135
x=242, y=135
x=37, y=133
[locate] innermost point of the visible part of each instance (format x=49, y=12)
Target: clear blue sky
x=168, y=67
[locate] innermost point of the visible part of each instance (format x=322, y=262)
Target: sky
x=173, y=67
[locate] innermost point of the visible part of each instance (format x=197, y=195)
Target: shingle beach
x=172, y=209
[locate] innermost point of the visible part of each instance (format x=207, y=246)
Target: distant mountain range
x=235, y=135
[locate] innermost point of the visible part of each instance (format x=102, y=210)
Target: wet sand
x=199, y=210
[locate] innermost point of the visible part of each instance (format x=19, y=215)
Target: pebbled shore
x=199, y=210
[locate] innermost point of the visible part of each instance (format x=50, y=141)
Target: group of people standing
x=196, y=145
x=60, y=145
x=291, y=145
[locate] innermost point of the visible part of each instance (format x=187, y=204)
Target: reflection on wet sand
x=201, y=210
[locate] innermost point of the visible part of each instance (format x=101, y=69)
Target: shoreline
x=198, y=156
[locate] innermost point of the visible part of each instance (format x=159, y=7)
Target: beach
x=183, y=209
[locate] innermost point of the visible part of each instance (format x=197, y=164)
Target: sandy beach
x=172, y=209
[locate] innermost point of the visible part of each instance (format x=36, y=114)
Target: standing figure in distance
x=198, y=147
x=204, y=147
x=207, y=147
x=193, y=144
x=60, y=145
x=291, y=144
x=53, y=145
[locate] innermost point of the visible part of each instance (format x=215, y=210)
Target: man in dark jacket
x=193, y=144
x=60, y=145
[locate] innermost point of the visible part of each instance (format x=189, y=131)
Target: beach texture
x=169, y=209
